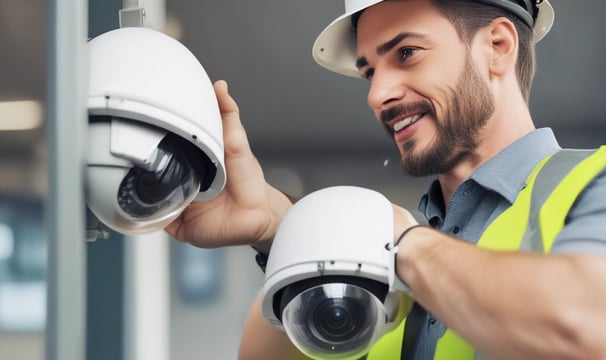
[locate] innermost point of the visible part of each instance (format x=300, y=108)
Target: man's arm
x=509, y=305
x=247, y=212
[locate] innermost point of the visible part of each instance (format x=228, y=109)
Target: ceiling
x=290, y=105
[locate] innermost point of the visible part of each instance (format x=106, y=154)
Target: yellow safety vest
x=532, y=222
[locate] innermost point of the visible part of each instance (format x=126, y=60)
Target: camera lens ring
x=303, y=323
x=153, y=193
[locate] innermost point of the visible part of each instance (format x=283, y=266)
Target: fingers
x=172, y=229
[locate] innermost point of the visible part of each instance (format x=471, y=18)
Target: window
x=22, y=266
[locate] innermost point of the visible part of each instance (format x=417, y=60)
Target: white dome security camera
x=330, y=281
x=155, y=138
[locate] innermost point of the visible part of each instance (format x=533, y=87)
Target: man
x=449, y=82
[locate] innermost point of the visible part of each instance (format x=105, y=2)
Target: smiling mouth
x=406, y=122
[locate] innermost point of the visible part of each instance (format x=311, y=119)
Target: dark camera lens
x=145, y=193
x=153, y=187
x=337, y=319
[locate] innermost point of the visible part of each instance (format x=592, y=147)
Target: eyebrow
x=387, y=46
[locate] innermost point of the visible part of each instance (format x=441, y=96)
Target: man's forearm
x=509, y=304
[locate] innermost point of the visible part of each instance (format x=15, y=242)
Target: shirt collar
x=506, y=172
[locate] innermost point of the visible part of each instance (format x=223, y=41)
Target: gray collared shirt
x=490, y=190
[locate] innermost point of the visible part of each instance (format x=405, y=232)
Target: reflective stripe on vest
x=532, y=222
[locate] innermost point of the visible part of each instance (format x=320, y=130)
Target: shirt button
x=435, y=222
x=456, y=229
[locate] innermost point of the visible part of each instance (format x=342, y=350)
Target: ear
x=504, y=37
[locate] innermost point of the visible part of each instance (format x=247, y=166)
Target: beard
x=469, y=106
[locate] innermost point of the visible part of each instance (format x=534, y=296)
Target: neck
x=510, y=122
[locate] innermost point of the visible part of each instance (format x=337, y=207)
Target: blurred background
x=310, y=129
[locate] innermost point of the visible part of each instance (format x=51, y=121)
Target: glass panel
x=23, y=265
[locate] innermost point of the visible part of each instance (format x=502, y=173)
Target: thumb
x=227, y=104
x=234, y=135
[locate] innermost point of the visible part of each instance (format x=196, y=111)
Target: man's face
x=425, y=88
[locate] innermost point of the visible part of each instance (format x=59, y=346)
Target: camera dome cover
x=144, y=75
x=155, y=137
x=335, y=321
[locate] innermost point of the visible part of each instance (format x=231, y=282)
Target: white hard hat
x=335, y=47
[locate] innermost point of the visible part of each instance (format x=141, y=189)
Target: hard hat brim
x=335, y=48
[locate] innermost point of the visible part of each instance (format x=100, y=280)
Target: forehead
x=386, y=19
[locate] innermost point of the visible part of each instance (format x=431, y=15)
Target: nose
x=386, y=87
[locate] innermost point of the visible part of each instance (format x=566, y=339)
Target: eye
x=405, y=53
x=367, y=75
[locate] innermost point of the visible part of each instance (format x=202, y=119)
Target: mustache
x=398, y=110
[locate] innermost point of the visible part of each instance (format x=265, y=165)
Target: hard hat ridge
x=524, y=9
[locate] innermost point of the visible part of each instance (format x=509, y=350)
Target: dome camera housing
x=330, y=282
x=155, y=139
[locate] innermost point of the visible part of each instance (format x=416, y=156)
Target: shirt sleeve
x=585, y=228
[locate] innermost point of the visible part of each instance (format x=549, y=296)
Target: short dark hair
x=468, y=16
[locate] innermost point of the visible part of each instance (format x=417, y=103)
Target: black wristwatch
x=261, y=259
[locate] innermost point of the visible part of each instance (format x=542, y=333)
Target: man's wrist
x=399, y=249
x=279, y=208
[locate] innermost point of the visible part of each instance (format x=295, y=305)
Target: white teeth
x=405, y=122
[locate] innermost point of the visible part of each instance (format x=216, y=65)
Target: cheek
x=436, y=78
